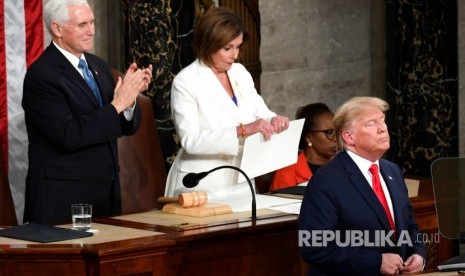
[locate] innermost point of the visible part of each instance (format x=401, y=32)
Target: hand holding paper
x=260, y=156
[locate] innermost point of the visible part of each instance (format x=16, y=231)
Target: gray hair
x=57, y=11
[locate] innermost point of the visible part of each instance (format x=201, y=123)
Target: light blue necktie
x=90, y=80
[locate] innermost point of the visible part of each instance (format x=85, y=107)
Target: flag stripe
x=34, y=30
x=21, y=18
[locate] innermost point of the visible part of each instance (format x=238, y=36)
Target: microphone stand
x=254, y=205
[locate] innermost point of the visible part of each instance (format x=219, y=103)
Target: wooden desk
x=112, y=251
x=450, y=273
x=157, y=246
x=236, y=247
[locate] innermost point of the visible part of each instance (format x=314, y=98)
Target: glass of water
x=82, y=216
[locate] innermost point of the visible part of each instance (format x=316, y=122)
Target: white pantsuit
x=206, y=118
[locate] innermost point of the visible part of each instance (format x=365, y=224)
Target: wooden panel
x=438, y=248
x=266, y=249
x=42, y=262
x=44, y=268
x=140, y=265
x=271, y=254
x=250, y=55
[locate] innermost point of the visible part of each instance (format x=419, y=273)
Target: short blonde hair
x=345, y=115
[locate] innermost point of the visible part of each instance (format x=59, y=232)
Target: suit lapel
x=394, y=191
x=235, y=80
x=217, y=94
x=360, y=183
x=81, y=83
x=96, y=73
x=72, y=74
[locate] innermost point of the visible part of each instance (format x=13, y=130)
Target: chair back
x=142, y=169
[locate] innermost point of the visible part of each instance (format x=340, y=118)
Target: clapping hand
x=135, y=81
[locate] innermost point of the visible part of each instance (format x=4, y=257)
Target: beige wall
x=314, y=51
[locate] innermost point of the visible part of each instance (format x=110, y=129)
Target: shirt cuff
x=129, y=112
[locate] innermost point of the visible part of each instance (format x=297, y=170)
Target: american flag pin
x=390, y=177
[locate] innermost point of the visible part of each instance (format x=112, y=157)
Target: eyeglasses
x=329, y=133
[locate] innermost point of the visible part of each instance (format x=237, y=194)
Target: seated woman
x=317, y=147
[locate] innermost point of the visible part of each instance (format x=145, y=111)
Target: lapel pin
x=390, y=177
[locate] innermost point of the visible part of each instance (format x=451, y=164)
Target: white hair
x=57, y=11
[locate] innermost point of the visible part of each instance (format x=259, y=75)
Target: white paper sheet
x=260, y=156
x=242, y=203
x=291, y=208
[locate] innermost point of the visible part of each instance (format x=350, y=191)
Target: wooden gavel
x=186, y=200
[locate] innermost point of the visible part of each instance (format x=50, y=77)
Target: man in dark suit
x=344, y=228
x=74, y=112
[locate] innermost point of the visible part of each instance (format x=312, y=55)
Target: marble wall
x=314, y=51
x=421, y=76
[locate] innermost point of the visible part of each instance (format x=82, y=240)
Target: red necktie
x=380, y=194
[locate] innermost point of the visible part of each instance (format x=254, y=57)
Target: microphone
x=191, y=180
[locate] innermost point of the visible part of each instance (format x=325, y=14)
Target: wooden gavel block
x=186, y=200
x=194, y=204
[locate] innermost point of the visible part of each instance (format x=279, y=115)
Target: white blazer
x=206, y=118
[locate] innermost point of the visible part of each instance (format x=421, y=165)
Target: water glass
x=82, y=216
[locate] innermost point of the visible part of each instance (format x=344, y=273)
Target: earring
x=309, y=144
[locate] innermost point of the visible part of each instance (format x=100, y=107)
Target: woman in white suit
x=215, y=106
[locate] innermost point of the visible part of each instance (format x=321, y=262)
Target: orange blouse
x=292, y=175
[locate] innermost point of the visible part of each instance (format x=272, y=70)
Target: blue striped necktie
x=90, y=80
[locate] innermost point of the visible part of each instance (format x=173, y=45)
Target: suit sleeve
x=58, y=109
x=319, y=216
x=130, y=127
x=411, y=225
x=417, y=241
x=246, y=84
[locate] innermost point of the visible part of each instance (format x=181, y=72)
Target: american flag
x=21, y=42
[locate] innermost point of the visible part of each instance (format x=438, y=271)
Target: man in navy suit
x=73, y=121
x=343, y=227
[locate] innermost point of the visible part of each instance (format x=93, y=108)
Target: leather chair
x=263, y=182
x=7, y=207
x=142, y=169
